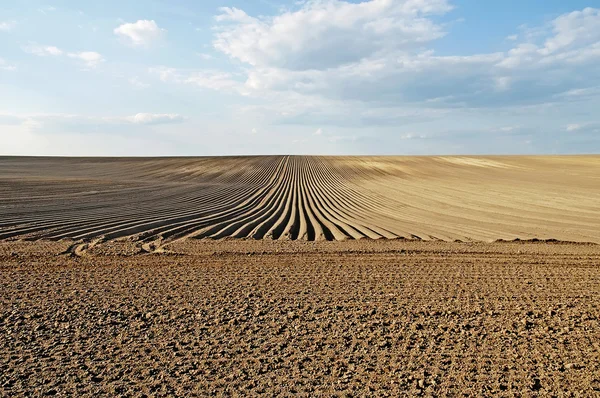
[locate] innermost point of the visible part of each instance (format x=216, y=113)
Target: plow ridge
x=158, y=201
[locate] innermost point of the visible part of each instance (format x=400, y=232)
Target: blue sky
x=218, y=77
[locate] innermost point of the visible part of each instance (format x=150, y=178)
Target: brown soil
x=354, y=318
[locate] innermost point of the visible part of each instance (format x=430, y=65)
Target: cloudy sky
x=218, y=77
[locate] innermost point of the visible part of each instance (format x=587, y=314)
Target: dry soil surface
x=246, y=317
x=159, y=200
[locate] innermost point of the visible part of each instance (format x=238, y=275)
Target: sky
x=230, y=77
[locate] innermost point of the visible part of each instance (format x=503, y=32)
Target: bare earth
x=370, y=276
x=158, y=200
x=355, y=318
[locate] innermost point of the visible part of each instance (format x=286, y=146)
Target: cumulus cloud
x=310, y=67
x=375, y=52
x=90, y=58
x=142, y=33
x=318, y=132
x=572, y=39
x=155, y=118
x=573, y=127
x=6, y=26
x=330, y=33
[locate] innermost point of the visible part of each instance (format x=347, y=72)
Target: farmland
x=297, y=275
x=155, y=201
x=353, y=318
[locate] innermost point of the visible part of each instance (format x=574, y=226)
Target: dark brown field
x=389, y=276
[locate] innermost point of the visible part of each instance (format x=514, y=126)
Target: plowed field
x=155, y=201
x=356, y=318
x=108, y=289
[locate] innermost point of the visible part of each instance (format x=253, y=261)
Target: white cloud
x=291, y=54
x=254, y=131
x=142, y=33
x=397, y=78
x=318, y=132
x=155, y=118
x=42, y=51
x=573, y=127
x=6, y=26
x=313, y=65
x=572, y=38
x=328, y=33
x=90, y=58
x=574, y=30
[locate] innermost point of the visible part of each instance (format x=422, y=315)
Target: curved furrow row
x=334, y=230
x=291, y=221
x=129, y=224
x=156, y=201
x=386, y=212
x=88, y=220
x=328, y=200
x=356, y=208
x=161, y=228
x=235, y=224
x=214, y=209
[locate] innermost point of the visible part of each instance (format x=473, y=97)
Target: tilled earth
x=355, y=318
x=157, y=201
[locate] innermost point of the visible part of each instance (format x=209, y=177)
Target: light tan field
x=157, y=200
